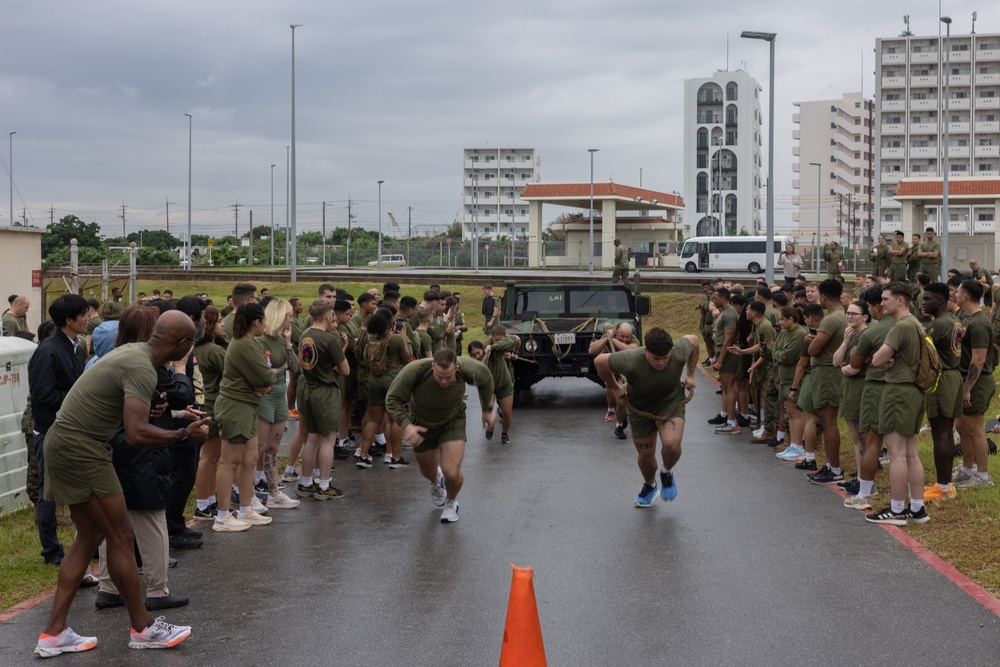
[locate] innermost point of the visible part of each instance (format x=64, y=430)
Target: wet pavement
x=750, y=565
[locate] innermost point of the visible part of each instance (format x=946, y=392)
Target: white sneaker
x=975, y=482
x=925, y=428
x=258, y=506
x=759, y=432
x=253, y=518
x=438, y=492
x=858, y=503
x=959, y=475
x=282, y=502
x=66, y=641
x=290, y=476
x=159, y=635
x=227, y=523
x=450, y=512
x=791, y=453
x=357, y=453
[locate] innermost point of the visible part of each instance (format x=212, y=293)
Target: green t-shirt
x=833, y=325
x=706, y=311
x=981, y=273
x=112, y=310
x=899, y=259
x=648, y=389
x=298, y=326
x=226, y=311
x=912, y=260
x=426, y=344
x=11, y=325
x=728, y=320
x=879, y=255
x=93, y=323
x=274, y=351
x=430, y=404
x=763, y=332
x=946, y=332
x=245, y=370
x=977, y=335
x=436, y=330
x=212, y=361
x=904, y=337
x=498, y=366
x=320, y=352
x=227, y=329
x=930, y=265
x=869, y=342
x=93, y=408
x=786, y=352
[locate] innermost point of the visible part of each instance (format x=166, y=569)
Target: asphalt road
x=751, y=565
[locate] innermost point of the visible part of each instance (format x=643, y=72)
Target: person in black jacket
x=54, y=367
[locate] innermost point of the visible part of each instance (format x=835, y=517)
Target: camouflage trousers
x=772, y=404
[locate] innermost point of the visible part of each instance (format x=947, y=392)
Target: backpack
x=377, y=356
x=929, y=367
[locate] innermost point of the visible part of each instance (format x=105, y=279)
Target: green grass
x=23, y=574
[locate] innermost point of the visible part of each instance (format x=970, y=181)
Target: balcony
x=893, y=128
x=796, y=166
x=796, y=118
x=924, y=57
x=958, y=151
x=986, y=151
x=892, y=153
x=958, y=104
x=893, y=82
x=891, y=177
x=917, y=105
x=795, y=135
x=982, y=226
x=959, y=57
x=987, y=173
x=987, y=54
x=893, y=105
x=958, y=128
x=988, y=102
x=795, y=151
x=893, y=58
x=987, y=79
x=923, y=151
x=983, y=127
x=959, y=80
x=795, y=184
x=923, y=128
x=929, y=81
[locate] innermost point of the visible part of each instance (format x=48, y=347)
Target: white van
x=390, y=260
x=730, y=253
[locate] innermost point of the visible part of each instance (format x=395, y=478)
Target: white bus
x=730, y=253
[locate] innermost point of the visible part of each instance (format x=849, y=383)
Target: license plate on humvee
x=565, y=338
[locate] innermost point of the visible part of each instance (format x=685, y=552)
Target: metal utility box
x=14, y=356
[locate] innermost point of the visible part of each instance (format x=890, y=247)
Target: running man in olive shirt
x=426, y=400
x=655, y=389
x=494, y=356
x=79, y=472
x=977, y=364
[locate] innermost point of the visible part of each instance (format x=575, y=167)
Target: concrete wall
x=20, y=254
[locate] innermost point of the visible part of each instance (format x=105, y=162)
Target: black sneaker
x=717, y=419
x=184, y=542
x=853, y=487
x=398, y=463
x=827, y=476
x=620, y=432
x=206, y=514
x=341, y=453
x=234, y=499
x=189, y=532
x=489, y=434
x=916, y=517
x=706, y=363
x=625, y=421
x=504, y=439
x=806, y=465
x=365, y=462
x=742, y=421
x=376, y=449
x=888, y=517
x=775, y=442
x=108, y=600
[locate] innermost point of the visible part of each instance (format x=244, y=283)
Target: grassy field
x=965, y=531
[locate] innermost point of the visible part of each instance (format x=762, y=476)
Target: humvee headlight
x=531, y=345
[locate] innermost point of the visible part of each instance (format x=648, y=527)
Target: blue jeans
x=45, y=514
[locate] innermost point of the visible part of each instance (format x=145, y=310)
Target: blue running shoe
x=646, y=496
x=668, y=486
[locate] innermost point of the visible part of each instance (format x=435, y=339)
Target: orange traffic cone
x=522, y=634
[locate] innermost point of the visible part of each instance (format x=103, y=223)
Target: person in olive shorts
x=211, y=361
x=944, y=405
x=322, y=367
x=385, y=352
x=493, y=355
x=819, y=394
x=726, y=324
x=901, y=411
x=245, y=379
x=654, y=388
x=426, y=400
x=853, y=384
x=977, y=364
x=898, y=254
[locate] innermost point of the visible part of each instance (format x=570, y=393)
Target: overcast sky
x=390, y=90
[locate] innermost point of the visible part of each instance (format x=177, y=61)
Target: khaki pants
x=150, y=528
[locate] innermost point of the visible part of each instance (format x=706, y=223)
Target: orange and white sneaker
x=293, y=415
x=609, y=416
x=66, y=641
x=159, y=634
x=933, y=492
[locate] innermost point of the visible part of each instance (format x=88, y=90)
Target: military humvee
x=558, y=323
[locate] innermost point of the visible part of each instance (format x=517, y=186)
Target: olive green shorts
x=453, y=430
x=273, y=407
x=213, y=426
x=946, y=402
x=643, y=427
x=901, y=410
x=982, y=394
x=851, y=389
x=378, y=387
x=503, y=391
x=871, y=399
x=319, y=408
x=235, y=419
x=820, y=389
x=897, y=272
x=77, y=470
x=785, y=392
x=743, y=372
x=361, y=385
x=730, y=365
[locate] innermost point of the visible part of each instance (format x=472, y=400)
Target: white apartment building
x=492, y=182
x=722, y=154
x=834, y=169
x=910, y=76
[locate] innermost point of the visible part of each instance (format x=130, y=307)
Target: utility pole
x=409, y=231
x=324, y=233
x=349, y=217
x=168, y=215
x=236, y=209
x=250, y=251
x=52, y=215
x=123, y=219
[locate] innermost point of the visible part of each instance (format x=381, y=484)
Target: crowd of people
x=133, y=407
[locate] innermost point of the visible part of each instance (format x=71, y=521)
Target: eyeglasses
x=849, y=313
x=185, y=341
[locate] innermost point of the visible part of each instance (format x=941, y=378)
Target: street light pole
x=188, y=243
x=10, y=162
x=819, y=184
x=474, y=256
x=769, y=270
x=380, y=224
x=272, y=215
x=603, y=222
x=287, y=208
x=294, y=252
x=947, y=167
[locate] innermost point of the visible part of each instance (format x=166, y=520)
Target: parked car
x=390, y=260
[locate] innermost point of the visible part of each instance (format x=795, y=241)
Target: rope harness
x=636, y=412
x=558, y=350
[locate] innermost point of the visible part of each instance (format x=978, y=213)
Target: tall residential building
x=909, y=134
x=722, y=154
x=492, y=182
x=837, y=136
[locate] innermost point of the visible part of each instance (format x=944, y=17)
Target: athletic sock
x=212, y=500
x=324, y=484
x=344, y=442
x=380, y=438
x=983, y=475
x=259, y=477
x=724, y=414
x=618, y=425
x=305, y=481
x=731, y=423
x=810, y=456
x=780, y=435
x=898, y=506
x=203, y=504
x=916, y=505
x=664, y=468
x=289, y=469
x=244, y=509
x=866, y=488
x=315, y=472
x=943, y=487
x=836, y=471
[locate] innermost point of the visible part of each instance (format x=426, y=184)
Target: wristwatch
x=185, y=437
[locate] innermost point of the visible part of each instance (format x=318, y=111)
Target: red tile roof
x=601, y=190
x=957, y=187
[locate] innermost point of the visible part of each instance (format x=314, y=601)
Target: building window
x=524, y=211
x=959, y=71
x=984, y=217
x=893, y=120
x=959, y=167
x=510, y=158
x=509, y=177
x=525, y=176
x=833, y=176
x=833, y=142
x=833, y=158
x=833, y=126
x=488, y=176
x=987, y=93
x=892, y=97
x=474, y=158
x=490, y=158
x=959, y=47
x=732, y=92
x=959, y=94
x=987, y=142
x=985, y=166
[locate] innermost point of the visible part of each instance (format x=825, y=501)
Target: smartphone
x=812, y=331
x=399, y=325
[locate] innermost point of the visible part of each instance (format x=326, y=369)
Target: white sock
x=380, y=438
x=943, y=487
x=836, y=471
x=897, y=506
x=982, y=475
x=781, y=435
x=810, y=456
x=618, y=425
x=289, y=470
x=324, y=484
x=236, y=489
x=344, y=442
x=305, y=481
x=259, y=477
x=724, y=414
x=916, y=505
x=245, y=510
x=866, y=488
x=212, y=500
x=664, y=468
x=203, y=504
x=731, y=423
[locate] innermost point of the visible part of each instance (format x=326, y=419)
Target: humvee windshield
x=570, y=301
